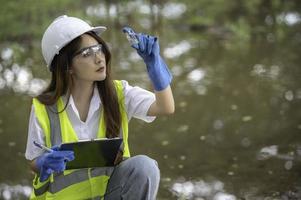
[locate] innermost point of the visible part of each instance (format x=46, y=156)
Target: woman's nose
x=99, y=57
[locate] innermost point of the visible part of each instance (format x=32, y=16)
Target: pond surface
x=236, y=132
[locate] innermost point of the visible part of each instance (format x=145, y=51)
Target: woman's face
x=89, y=63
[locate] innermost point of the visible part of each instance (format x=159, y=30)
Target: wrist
x=159, y=74
x=38, y=163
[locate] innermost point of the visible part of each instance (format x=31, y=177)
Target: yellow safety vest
x=88, y=183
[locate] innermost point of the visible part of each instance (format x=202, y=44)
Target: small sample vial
x=130, y=35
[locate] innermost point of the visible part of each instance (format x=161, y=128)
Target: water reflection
x=289, y=95
x=177, y=50
x=170, y=10
x=6, y=54
x=174, y=10
x=196, y=75
x=8, y=192
x=201, y=190
x=273, y=152
x=263, y=71
x=289, y=18
x=18, y=78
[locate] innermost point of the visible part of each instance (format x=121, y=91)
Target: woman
x=83, y=102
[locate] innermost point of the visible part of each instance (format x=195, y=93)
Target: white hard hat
x=62, y=31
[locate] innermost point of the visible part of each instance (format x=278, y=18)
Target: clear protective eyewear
x=90, y=51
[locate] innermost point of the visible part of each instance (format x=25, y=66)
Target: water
x=236, y=131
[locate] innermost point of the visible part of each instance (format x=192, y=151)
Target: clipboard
x=92, y=153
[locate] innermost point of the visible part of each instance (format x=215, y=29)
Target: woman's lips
x=101, y=69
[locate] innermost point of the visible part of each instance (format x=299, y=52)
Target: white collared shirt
x=137, y=102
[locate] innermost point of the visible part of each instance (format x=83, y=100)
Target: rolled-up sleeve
x=35, y=133
x=138, y=102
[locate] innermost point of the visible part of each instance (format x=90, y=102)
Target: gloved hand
x=148, y=48
x=53, y=162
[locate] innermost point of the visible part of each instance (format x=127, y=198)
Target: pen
x=42, y=147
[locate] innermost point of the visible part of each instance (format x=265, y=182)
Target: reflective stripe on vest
x=55, y=126
x=62, y=181
x=57, y=129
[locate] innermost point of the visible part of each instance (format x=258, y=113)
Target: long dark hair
x=61, y=84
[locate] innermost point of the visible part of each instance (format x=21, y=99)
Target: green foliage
x=24, y=20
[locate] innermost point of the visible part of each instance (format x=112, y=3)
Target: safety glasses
x=89, y=51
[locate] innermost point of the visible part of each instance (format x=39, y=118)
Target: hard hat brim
x=98, y=29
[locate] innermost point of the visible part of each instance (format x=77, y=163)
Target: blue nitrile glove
x=148, y=48
x=53, y=162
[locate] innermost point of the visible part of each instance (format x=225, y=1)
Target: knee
x=146, y=167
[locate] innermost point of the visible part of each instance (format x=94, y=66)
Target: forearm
x=159, y=74
x=164, y=103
